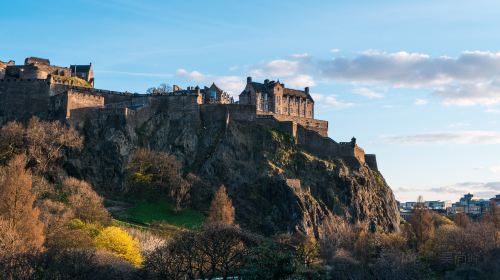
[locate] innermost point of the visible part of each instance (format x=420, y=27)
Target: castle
x=49, y=92
x=274, y=99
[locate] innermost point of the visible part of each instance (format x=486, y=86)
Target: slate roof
x=267, y=87
x=298, y=93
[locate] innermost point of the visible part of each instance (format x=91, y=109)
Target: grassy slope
x=145, y=212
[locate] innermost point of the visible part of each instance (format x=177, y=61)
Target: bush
x=117, y=241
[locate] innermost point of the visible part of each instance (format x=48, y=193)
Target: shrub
x=117, y=241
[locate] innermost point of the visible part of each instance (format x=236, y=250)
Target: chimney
x=306, y=90
x=249, y=80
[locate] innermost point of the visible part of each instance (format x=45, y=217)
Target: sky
x=416, y=82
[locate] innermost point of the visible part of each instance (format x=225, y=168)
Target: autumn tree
x=16, y=203
x=221, y=208
x=47, y=140
x=461, y=220
x=42, y=142
x=158, y=173
x=85, y=202
x=493, y=215
x=422, y=222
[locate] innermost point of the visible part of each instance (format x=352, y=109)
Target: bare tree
x=162, y=89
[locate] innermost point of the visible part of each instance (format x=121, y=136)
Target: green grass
x=147, y=213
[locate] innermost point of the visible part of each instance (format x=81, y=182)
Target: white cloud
x=300, y=81
x=412, y=69
x=421, y=102
x=334, y=50
x=368, y=93
x=277, y=68
x=232, y=84
x=483, y=190
x=479, y=189
x=300, y=55
x=495, y=169
x=468, y=94
x=492, y=111
x=234, y=68
x=193, y=75
x=458, y=137
x=330, y=101
x=472, y=78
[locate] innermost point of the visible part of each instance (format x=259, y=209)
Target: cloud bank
x=455, y=137
x=472, y=78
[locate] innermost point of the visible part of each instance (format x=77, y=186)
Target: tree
x=422, y=222
x=158, y=173
x=16, y=203
x=162, y=89
x=47, y=140
x=461, y=220
x=218, y=250
x=493, y=215
x=221, y=208
x=42, y=142
x=86, y=203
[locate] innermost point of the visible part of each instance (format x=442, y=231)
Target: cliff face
x=275, y=186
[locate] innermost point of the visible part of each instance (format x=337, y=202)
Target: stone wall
x=318, y=126
x=76, y=100
x=21, y=99
x=371, y=160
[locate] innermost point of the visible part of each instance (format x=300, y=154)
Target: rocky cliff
x=275, y=185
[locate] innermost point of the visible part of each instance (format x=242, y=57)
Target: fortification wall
x=318, y=126
x=371, y=160
x=112, y=117
x=77, y=100
x=21, y=99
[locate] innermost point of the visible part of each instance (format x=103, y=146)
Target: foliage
x=85, y=202
x=155, y=174
x=216, y=250
x=42, y=142
x=120, y=243
x=72, y=80
x=16, y=204
x=221, y=208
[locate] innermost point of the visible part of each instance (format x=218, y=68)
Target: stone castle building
x=40, y=68
x=50, y=92
x=206, y=95
x=274, y=99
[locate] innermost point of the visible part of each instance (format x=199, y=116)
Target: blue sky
x=417, y=82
